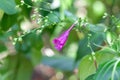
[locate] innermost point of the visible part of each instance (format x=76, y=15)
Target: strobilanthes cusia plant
x=60, y=41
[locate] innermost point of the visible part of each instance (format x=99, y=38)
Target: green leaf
x=107, y=50
x=29, y=2
x=28, y=42
x=25, y=11
x=60, y=62
x=1, y=14
x=109, y=70
x=8, y=6
x=95, y=39
x=91, y=77
x=111, y=37
x=5, y=76
x=53, y=17
x=16, y=67
x=2, y=47
x=9, y=19
x=99, y=28
x=70, y=16
x=116, y=45
x=87, y=68
x=25, y=69
x=35, y=57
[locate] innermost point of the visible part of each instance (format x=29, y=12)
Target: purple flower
x=61, y=40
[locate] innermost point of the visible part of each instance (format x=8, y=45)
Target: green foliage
x=108, y=70
x=8, y=7
x=28, y=27
x=99, y=28
x=87, y=67
x=83, y=48
x=15, y=65
x=2, y=47
x=10, y=20
x=60, y=62
x=52, y=18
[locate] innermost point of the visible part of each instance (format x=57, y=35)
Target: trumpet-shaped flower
x=60, y=41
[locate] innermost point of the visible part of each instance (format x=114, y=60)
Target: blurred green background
x=27, y=28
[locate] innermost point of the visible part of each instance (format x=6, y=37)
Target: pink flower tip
x=61, y=40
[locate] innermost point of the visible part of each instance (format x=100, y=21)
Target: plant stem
x=73, y=25
x=94, y=60
x=92, y=54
